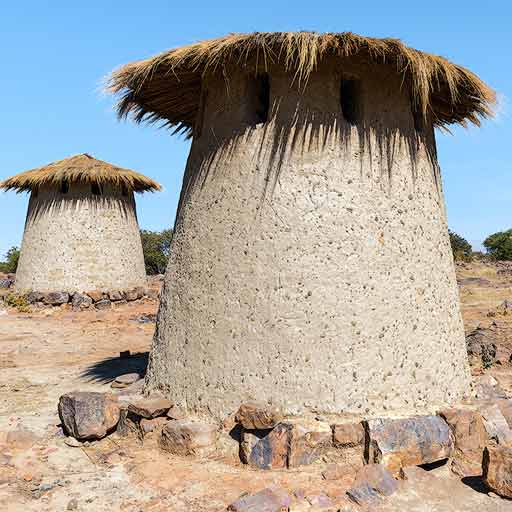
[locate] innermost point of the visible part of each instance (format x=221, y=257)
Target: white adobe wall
x=80, y=242
x=311, y=269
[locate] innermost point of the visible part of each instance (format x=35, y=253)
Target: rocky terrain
x=48, y=351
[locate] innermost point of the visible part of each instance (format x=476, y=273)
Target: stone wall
x=80, y=242
x=310, y=264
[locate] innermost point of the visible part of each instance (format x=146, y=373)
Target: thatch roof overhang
x=80, y=169
x=166, y=88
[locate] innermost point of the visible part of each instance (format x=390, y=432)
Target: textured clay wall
x=80, y=242
x=311, y=267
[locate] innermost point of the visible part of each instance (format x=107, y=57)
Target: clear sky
x=54, y=55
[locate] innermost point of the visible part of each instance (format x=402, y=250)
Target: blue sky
x=54, y=55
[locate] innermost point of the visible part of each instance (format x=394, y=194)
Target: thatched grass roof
x=167, y=87
x=80, y=169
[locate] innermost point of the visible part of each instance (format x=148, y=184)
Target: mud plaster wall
x=80, y=242
x=310, y=265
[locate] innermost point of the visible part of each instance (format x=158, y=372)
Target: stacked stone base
x=474, y=439
x=98, y=299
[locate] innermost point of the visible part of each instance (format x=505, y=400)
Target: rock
x=103, y=304
x=71, y=441
x=147, y=426
x=176, y=413
x=408, y=441
x=271, y=499
x=486, y=380
x=34, y=297
x=308, y=440
x=152, y=294
x=96, y=295
x=146, y=319
x=348, y=434
x=505, y=406
x=150, y=407
x=497, y=470
x=290, y=443
x=128, y=423
x=123, y=381
x=116, y=295
x=183, y=437
x=372, y=482
x=56, y=298
x=495, y=424
x=6, y=282
x=258, y=415
x=470, y=437
x=81, y=301
x=72, y=504
x=481, y=347
x=134, y=294
x=88, y=415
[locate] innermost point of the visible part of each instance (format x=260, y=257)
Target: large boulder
x=183, y=437
x=81, y=301
x=290, y=443
x=56, y=298
x=371, y=484
x=401, y=442
x=497, y=470
x=271, y=499
x=481, y=347
x=88, y=415
x=470, y=438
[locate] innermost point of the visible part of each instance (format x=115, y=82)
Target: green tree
x=156, y=246
x=461, y=248
x=10, y=264
x=499, y=245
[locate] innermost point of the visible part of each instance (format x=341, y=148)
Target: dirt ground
x=48, y=352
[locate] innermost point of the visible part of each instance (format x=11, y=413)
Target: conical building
x=81, y=232
x=310, y=265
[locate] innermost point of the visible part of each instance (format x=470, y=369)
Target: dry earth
x=46, y=353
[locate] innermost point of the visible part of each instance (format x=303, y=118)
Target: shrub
x=461, y=248
x=10, y=264
x=499, y=245
x=18, y=301
x=156, y=246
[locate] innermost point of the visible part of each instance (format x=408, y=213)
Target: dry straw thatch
x=167, y=87
x=80, y=169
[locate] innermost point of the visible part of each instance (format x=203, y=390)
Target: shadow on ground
x=106, y=370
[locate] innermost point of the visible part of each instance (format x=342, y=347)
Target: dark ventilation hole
x=64, y=186
x=262, y=97
x=95, y=189
x=350, y=96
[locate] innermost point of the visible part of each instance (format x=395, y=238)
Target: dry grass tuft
x=167, y=87
x=80, y=169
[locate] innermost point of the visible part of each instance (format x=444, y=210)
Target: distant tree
x=499, y=245
x=10, y=264
x=461, y=248
x=156, y=246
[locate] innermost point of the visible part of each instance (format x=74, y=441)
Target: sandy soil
x=46, y=353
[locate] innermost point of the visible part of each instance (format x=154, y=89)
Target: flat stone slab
x=122, y=381
x=372, y=483
x=150, y=408
x=272, y=499
x=257, y=415
x=496, y=424
x=183, y=437
x=88, y=415
x=411, y=441
x=348, y=434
